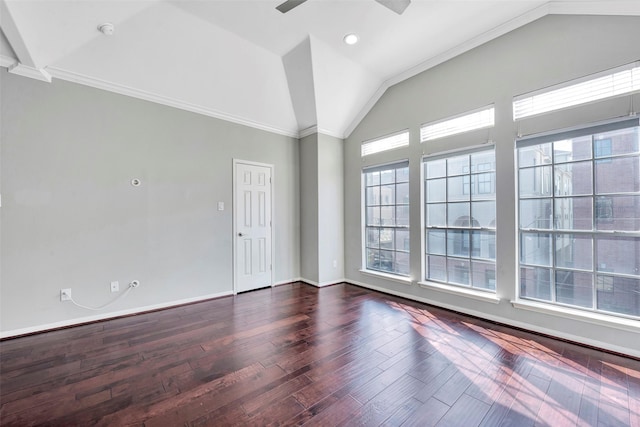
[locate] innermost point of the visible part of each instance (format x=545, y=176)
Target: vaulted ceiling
x=244, y=61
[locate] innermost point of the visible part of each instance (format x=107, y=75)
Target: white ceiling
x=243, y=61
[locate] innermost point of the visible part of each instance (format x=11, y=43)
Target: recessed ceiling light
x=351, y=39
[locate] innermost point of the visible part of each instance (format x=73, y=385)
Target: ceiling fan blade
x=289, y=4
x=398, y=6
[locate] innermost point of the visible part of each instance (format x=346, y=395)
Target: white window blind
x=387, y=143
x=469, y=121
x=616, y=82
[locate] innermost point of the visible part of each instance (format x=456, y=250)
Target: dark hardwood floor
x=295, y=355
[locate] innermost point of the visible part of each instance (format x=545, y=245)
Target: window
x=579, y=238
x=620, y=81
x=460, y=211
x=386, y=191
x=478, y=119
x=387, y=143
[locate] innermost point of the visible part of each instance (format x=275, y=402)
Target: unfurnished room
x=320, y=213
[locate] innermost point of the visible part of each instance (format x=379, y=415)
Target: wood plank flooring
x=298, y=355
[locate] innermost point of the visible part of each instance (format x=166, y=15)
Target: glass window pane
x=373, y=237
x=437, y=268
x=435, y=168
x=573, y=213
x=372, y=178
x=535, y=182
x=483, y=244
x=387, y=238
x=458, y=188
x=402, y=215
x=458, y=214
x=458, y=270
x=570, y=150
x=373, y=196
x=535, y=249
x=623, y=141
x=618, y=295
x=436, y=190
x=458, y=165
x=618, y=255
x=402, y=174
x=573, y=179
x=373, y=215
x=483, y=161
x=574, y=251
x=402, y=263
x=484, y=275
x=386, y=261
x=534, y=155
x=388, y=215
x=483, y=185
x=535, y=282
x=575, y=288
x=621, y=175
x=436, y=214
x=483, y=214
x=458, y=243
x=402, y=193
x=387, y=176
x=402, y=239
x=536, y=213
x=388, y=195
x=436, y=242
x=618, y=213
x=373, y=259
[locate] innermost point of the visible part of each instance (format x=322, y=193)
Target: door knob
x=240, y=234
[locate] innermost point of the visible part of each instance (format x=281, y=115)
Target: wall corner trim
x=31, y=72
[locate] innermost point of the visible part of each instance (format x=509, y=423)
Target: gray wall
x=330, y=209
x=551, y=50
x=309, y=208
x=71, y=219
x=321, y=209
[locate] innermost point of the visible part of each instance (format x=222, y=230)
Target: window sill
x=400, y=279
x=573, y=314
x=456, y=290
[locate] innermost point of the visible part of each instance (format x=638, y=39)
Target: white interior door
x=252, y=218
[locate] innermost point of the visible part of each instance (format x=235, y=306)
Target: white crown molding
x=164, y=100
x=611, y=7
x=7, y=61
x=308, y=131
x=31, y=72
x=494, y=33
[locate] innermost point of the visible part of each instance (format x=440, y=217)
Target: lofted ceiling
x=244, y=61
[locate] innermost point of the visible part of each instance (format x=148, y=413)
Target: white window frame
x=385, y=143
x=541, y=305
x=483, y=294
x=365, y=268
x=595, y=87
x=480, y=118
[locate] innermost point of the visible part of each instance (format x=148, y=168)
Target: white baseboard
x=105, y=316
x=286, y=282
x=322, y=284
x=505, y=321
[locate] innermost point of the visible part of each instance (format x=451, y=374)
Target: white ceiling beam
x=26, y=65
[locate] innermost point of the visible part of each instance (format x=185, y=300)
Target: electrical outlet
x=65, y=294
x=115, y=286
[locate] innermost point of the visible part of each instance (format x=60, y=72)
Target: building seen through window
x=579, y=220
x=460, y=212
x=387, y=218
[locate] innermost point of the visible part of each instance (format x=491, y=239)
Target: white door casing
x=252, y=225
